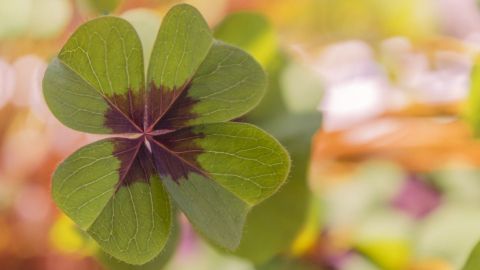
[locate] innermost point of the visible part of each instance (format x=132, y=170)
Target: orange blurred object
x=421, y=138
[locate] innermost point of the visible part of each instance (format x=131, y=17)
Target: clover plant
x=172, y=145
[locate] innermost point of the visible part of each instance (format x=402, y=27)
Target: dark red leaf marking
x=175, y=154
x=125, y=113
x=163, y=146
x=136, y=162
x=169, y=108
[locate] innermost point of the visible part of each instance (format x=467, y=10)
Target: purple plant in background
x=417, y=198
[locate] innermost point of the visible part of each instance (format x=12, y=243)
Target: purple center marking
x=165, y=145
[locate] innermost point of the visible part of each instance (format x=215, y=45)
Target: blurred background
x=377, y=101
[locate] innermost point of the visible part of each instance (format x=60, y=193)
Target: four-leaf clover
x=173, y=143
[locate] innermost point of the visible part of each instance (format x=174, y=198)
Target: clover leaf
x=173, y=144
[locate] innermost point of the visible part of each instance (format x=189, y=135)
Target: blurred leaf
x=473, y=261
x=282, y=263
x=252, y=32
x=261, y=240
x=273, y=104
x=104, y=6
x=156, y=264
x=472, y=106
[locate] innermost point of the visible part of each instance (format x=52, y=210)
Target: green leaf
x=107, y=53
x=73, y=101
x=228, y=84
x=244, y=159
x=243, y=166
x=473, y=261
x=157, y=263
x=98, y=67
x=262, y=241
x=182, y=44
x=131, y=223
x=213, y=211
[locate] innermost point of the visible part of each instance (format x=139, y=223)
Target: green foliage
x=253, y=33
x=101, y=60
x=178, y=148
x=183, y=42
x=104, y=6
x=157, y=263
x=132, y=224
x=472, y=108
x=262, y=241
x=246, y=164
x=282, y=263
x=473, y=261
